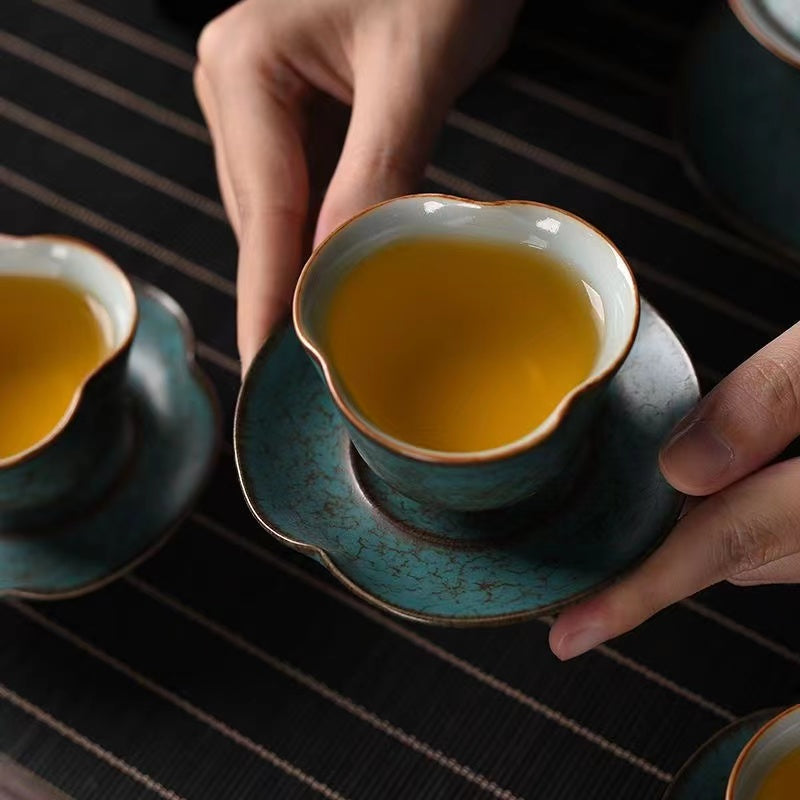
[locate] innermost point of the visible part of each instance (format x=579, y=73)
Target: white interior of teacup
x=774, y=741
x=81, y=266
x=578, y=246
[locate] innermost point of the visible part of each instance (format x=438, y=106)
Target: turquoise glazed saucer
x=739, y=122
x=305, y=484
x=705, y=774
x=174, y=421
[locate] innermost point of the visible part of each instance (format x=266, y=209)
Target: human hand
x=399, y=63
x=747, y=530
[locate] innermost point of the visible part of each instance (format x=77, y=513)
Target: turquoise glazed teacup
x=544, y=460
x=79, y=460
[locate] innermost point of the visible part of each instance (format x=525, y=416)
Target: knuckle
x=244, y=210
x=747, y=543
x=254, y=215
x=392, y=162
x=197, y=81
x=631, y=603
x=749, y=547
x=773, y=383
x=210, y=41
x=230, y=36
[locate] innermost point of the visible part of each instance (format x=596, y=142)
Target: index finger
x=259, y=112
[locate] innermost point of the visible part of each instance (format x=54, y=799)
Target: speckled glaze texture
x=306, y=485
x=739, y=106
x=705, y=775
x=172, y=425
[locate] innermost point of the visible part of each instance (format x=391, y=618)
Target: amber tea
x=461, y=346
x=52, y=336
x=783, y=781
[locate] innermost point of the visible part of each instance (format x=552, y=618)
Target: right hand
x=399, y=63
x=746, y=529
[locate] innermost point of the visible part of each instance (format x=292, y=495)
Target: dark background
x=230, y=667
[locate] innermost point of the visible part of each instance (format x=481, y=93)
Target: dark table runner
x=230, y=667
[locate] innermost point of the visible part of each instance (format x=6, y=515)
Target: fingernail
x=696, y=455
x=575, y=644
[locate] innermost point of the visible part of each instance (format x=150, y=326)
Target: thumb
x=742, y=424
x=392, y=128
x=749, y=530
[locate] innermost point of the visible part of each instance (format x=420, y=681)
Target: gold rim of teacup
x=534, y=437
x=113, y=355
x=748, y=748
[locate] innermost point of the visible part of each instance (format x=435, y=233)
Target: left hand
x=746, y=530
x=264, y=65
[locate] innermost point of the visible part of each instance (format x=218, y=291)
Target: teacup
x=775, y=740
x=79, y=459
x=547, y=456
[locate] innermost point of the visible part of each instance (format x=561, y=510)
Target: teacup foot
x=465, y=530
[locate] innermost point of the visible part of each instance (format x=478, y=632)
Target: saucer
x=739, y=123
x=705, y=775
x=175, y=423
x=307, y=486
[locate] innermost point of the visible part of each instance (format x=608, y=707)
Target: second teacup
x=427, y=316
